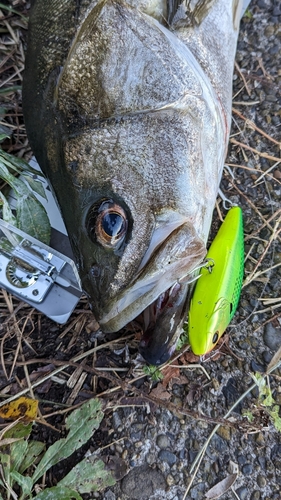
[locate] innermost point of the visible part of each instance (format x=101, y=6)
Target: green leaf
x=5, y=461
x=11, y=180
x=17, y=452
x=33, y=219
x=19, y=430
x=3, y=137
x=182, y=341
x=25, y=482
x=268, y=400
x=81, y=424
x=248, y=414
x=10, y=9
x=7, y=214
x=18, y=164
x=8, y=90
x=35, y=185
x=34, y=449
x=88, y=476
x=153, y=372
x=58, y=493
x=274, y=413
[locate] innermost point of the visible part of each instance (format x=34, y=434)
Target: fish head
x=132, y=139
x=134, y=238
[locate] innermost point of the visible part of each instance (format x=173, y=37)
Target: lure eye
x=107, y=224
x=215, y=337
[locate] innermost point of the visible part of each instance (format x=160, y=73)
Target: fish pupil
x=112, y=224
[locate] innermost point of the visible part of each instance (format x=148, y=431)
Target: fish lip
x=159, y=292
x=159, y=342
x=156, y=359
x=176, y=260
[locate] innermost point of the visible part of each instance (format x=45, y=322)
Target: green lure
x=217, y=291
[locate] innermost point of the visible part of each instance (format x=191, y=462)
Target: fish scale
x=127, y=106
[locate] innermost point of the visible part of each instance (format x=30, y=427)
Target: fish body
x=127, y=106
x=217, y=291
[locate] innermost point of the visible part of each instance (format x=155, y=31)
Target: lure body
x=217, y=292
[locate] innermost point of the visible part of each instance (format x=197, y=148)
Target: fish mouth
x=158, y=297
x=162, y=324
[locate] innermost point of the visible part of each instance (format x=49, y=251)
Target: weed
x=24, y=461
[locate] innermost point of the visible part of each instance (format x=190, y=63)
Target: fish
x=217, y=291
x=127, y=106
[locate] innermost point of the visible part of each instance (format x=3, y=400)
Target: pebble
x=242, y=493
x=261, y=481
x=141, y=483
x=257, y=367
x=241, y=459
x=247, y=469
x=272, y=337
x=224, y=433
x=255, y=495
x=109, y=495
x=196, y=493
x=170, y=480
x=116, y=420
x=260, y=439
x=167, y=456
x=163, y=441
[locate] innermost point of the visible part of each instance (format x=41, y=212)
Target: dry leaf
x=189, y=357
x=160, y=392
x=276, y=358
x=221, y=487
x=170, y=372
x=24, y=408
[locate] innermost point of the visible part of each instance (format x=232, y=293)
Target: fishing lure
x=217, y=291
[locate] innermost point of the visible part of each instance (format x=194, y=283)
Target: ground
x=153, y=431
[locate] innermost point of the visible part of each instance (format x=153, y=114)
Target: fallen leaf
x=221, y=487
x=189, y=357
x=160, y=392
x=24, y=408
x=170, y=372
x=194, y=392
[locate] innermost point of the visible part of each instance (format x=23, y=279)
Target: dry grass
x=19, y=321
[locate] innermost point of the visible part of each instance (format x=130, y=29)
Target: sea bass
x=127, y=106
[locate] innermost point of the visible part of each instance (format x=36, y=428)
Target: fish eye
x=215, y=337
x=107, y=223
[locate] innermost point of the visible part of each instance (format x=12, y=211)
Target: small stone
x=247, y=469
x=260, y=439
x=109, y=495
x=261, y=480
x=241, y=460
x=215, y=384
x=255, y=495
x=170, y=480
x=167, y=456
x=196, y=492
x=116, y=420
x=150, y=459
x=141, y=483
x=163, y=441
x=272, y=337
x=257, y=367
x=242, y=493
x=224, y=432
